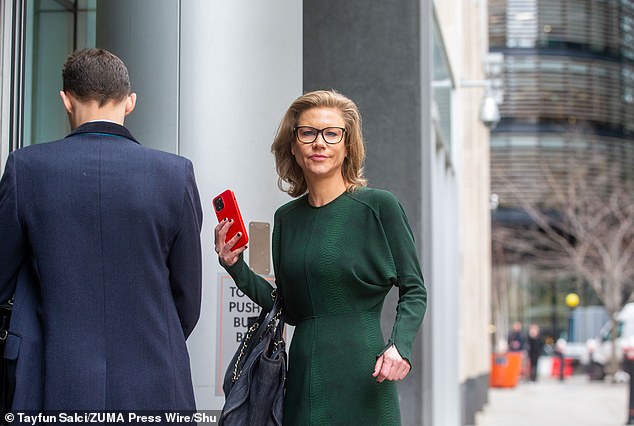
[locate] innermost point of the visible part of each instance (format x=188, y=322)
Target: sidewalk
x=574, y=402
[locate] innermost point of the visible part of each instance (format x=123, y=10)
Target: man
x=112, y=230
x=517, y=344
x=535, y=347
x=516, y=338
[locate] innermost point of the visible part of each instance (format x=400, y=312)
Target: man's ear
x=130, y=103
x=68, y=104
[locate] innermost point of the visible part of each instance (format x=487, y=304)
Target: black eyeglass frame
x=319, y=131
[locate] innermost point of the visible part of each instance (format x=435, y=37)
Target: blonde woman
x=338, y=248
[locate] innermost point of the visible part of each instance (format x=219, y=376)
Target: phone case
x=226, y=207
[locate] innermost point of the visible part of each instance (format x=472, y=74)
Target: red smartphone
x=226, y=207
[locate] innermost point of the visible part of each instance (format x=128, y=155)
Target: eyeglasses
x=307, y=134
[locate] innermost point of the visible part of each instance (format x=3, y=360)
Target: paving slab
x=576, y=401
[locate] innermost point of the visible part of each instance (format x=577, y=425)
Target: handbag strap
x=277, y=344
x=273, y=315
x=264, y=324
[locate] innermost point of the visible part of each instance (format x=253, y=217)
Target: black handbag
x=6, y=388
x=255, y=380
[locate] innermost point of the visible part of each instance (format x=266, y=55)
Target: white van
x=601, y=348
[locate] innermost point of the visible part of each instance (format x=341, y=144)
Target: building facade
x=203, y=69
x=569, y=87
x=569, y=101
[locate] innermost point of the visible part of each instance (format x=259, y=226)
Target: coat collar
x=104, y=127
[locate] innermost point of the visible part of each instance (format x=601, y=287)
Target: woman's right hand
x=226, y=256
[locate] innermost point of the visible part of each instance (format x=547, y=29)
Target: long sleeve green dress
x=334, y=265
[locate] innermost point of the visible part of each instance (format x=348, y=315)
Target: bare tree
x=586, y=225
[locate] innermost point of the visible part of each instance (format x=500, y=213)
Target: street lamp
x=572, y=300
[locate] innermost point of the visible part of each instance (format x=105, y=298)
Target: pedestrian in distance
x=516, y=338
x=517, y=347
x=338, y=248
x=535, y=347
x=112, y=230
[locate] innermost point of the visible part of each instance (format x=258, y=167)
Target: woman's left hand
x=391, y=366
x=226, y=255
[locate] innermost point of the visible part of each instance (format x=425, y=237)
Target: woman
x=337, y=250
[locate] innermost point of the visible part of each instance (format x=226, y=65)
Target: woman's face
x=319, y=159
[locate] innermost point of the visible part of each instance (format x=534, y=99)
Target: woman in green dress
x=338, y=248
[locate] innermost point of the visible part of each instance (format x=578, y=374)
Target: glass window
x=55, y=28
x=442, y=93
x=521, y=19
x=524, y=141
x=578, y=68
x=552, y=142
x=521, y=64
x=551, y=66
x=499, y=142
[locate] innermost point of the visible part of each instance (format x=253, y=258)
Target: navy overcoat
x=113, y=233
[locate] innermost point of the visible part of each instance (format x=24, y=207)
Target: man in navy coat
x=112, y=231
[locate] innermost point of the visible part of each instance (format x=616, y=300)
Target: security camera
x=489, y=112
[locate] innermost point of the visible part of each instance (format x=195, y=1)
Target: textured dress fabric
x=334, y=265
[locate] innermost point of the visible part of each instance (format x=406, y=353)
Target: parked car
x=600, y=348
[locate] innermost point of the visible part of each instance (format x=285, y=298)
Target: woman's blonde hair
x=291, y=177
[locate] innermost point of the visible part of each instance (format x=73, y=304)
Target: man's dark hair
x=95, y=74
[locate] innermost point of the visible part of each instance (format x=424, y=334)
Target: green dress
x=334, y=265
